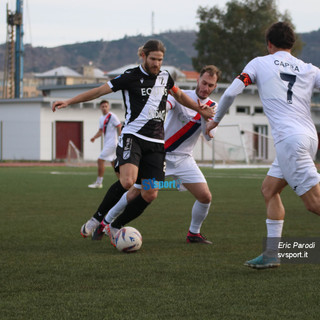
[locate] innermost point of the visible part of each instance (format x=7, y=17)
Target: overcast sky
x=52, y=23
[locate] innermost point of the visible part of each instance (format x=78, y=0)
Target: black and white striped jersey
x=145, y=99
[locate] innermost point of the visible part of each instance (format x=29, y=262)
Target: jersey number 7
x=291, y=79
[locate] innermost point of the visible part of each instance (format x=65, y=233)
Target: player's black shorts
x=148, y=156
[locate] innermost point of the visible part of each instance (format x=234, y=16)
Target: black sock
x=112, y=196
x=131, y=212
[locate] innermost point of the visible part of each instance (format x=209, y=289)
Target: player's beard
x=200, y=95
x=151, y=70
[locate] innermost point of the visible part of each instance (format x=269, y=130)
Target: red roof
x=191, y=75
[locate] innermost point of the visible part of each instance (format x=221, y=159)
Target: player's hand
x=202, y=105
x=92, y=139
x=206, y=111
x=58, y=105
x=209, y=126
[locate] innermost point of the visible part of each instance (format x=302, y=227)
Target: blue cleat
x=263, y=262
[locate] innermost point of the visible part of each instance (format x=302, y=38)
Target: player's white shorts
x=185, y=168
x=108, y=153
x=294, y=163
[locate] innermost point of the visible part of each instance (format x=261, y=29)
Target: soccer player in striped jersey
x=285, y=86
x=110, y=129
x=141, y=145
x=182, y=129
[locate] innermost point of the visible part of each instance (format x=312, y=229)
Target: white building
x=29, y=130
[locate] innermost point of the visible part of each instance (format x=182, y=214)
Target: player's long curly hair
x=151, y=45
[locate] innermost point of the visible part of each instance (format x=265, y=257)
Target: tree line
x=232, y=36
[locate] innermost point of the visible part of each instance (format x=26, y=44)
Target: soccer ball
x=128, y=239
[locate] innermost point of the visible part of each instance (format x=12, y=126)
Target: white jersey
x=183, y=125
x=108, y=124
x=285, y=86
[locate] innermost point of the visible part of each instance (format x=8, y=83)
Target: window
x=182, y=87
x=243, y=110
x=87, y=105
x=258, y=110
x=116, y=105
x=61, y=81
x=315, y=99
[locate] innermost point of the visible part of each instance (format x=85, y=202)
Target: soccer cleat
x=111, y=232
x=263, y=262
x=98, y=233
x=87, y=229
x=95, y=185
x=197, y=238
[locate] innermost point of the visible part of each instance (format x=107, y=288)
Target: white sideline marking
x=76, y=173
x=72, y=173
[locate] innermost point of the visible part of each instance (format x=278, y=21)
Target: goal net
x=231, y=145
x=74, y=156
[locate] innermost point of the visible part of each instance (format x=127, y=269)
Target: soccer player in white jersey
x=109, y=128
x=285, y=86
x=141, y=145
x=182, y=129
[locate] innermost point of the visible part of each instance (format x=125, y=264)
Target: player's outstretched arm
x=210, y=126
x=186, y=101
x=228, y=97
x=212, y=132
x=86, y=96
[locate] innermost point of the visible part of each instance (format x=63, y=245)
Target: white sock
x=116, y=210
x=199, y=213
x=274, y=232
x=99, y=180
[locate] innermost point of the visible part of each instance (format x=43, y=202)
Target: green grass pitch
x=48, y=271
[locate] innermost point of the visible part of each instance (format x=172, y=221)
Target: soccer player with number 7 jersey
x=285, y=86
